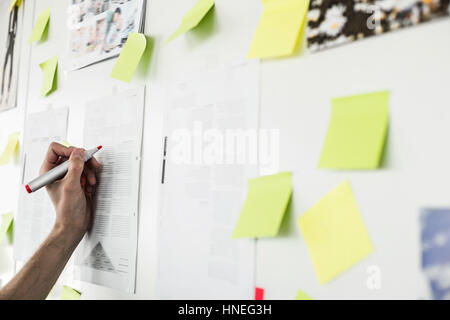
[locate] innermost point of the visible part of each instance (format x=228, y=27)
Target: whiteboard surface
x=295, y=98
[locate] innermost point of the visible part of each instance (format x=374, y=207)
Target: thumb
x=76, y=166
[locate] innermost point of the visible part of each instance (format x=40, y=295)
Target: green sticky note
x=264, y=208
x=10, y=149
x=16, y=3
x=280, y=28
x=193, y=17
x=129, y=57
x=70, y=294
x=357, y=132
x=40, y=26
x=50, y=70
x=335, y=234
x=6, y=228
x=302, y=296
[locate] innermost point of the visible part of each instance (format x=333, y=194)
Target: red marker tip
x=28, y=188
x=99, y=147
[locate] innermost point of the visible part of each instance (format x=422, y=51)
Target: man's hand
x=73, y=195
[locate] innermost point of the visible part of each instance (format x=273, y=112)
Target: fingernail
x=78, y=153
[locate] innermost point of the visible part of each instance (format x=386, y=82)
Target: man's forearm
x=39, y=274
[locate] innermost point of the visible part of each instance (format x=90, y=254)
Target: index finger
x=55, y=152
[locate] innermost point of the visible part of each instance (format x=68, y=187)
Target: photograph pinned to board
x=336, y=22
x=98, y=29
x=10, y=23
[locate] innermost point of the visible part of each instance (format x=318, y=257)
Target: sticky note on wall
x=70, y=294
x=259, y=293
x=357, y=132
x=280, y=28
x=129, y=57
x=40, y=26
x=49, y=71
x=265, y=205
x=335, y=234
x=6, y=227
x=16, y=3
x=10, y=149
x=193, y=17
x=302, y=296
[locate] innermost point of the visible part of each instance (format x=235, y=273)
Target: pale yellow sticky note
x=49, y=70
x=6, y=226
x=302, y=296
x=193, y=17
x=280, y=28
x=65, y=143
x=129, y=57
x=335, y=234
x=10, y=149
x=265, y=206
x=41, y=24
x=70, y=294
x=16, y=3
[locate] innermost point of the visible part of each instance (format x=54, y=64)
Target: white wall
x=295, y=98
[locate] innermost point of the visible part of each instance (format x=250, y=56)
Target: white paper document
x=204, y=188
x=107, y=254
x=36, y=214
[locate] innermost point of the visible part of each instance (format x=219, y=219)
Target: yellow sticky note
x=70, y=294
x=40, y=26
x=280, y=28
x=129, y=57
x=6, y=227
x=10, y=149
x=65, y=143
x=357, y=132
x=49, y=69
x=335, y=234
x=193, y=17
x=16, y=3
x=302, y=296
x=264, y=208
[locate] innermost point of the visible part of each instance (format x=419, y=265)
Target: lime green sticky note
x=40, y=26
x=335, y=234
x=16, y=3
x=129, y=57
x=302, y=296
x=49, y=69
x=280, y=28
x=357, y=132
x=7, y=226
x=193, y=17
x=10, y=149
x=264, y=208
x=70, y=294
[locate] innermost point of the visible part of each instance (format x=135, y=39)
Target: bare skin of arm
x=72, y=197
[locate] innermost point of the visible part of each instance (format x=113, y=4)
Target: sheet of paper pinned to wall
x=435, y=243
x=36, y=215
x=201, y=197
x=107, y=254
